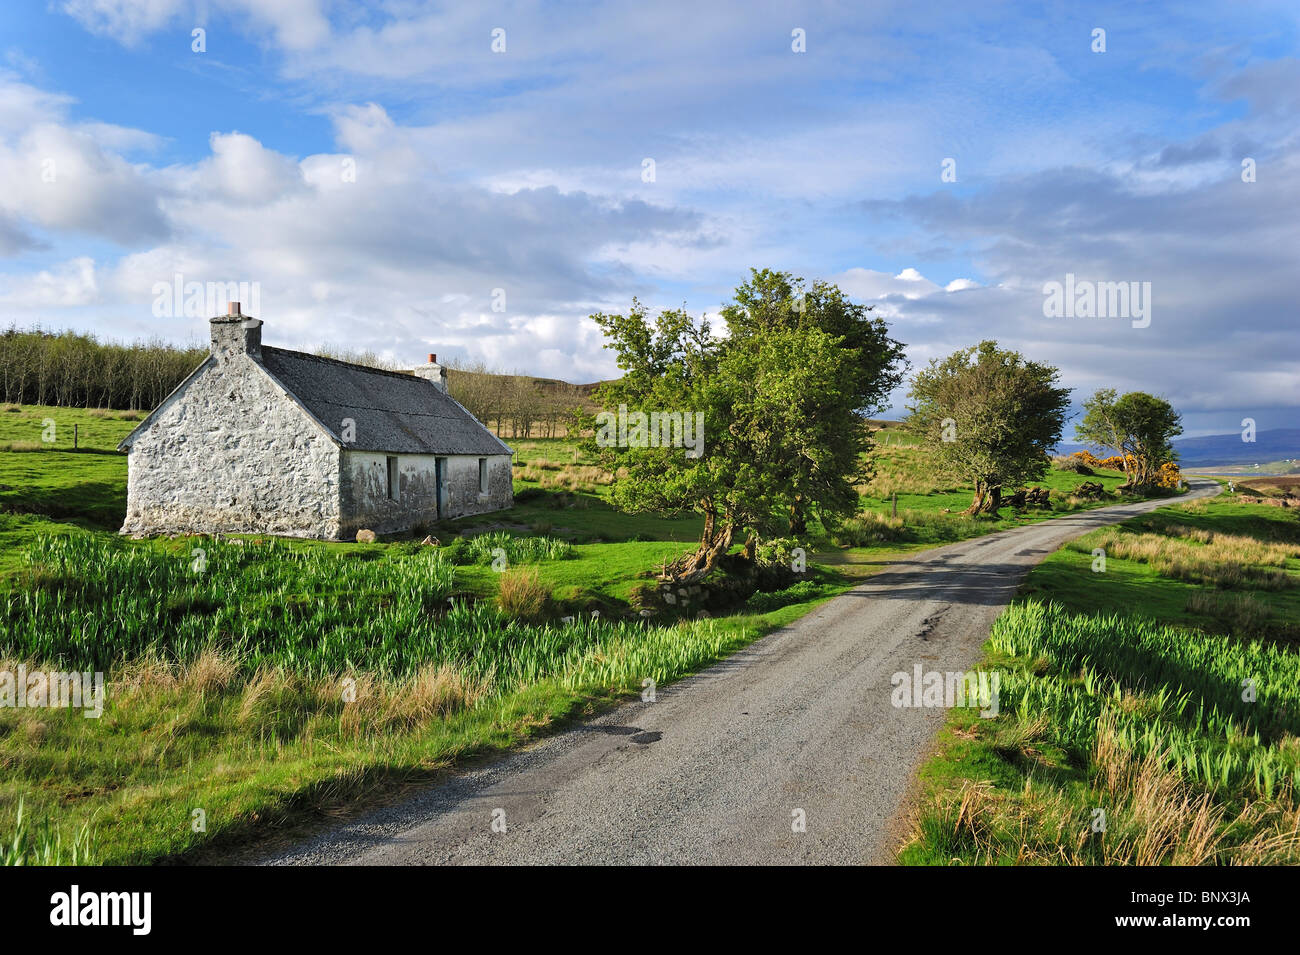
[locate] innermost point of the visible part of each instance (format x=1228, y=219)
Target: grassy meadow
x=265, y=681
x=1161, y=690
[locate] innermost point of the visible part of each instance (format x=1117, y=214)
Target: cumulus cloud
x=65, y=180
x=364, y=248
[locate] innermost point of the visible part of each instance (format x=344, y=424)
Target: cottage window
x=394, y=479
x=482, y=476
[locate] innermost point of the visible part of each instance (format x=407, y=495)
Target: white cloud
x=293, y=24
x=65, y=285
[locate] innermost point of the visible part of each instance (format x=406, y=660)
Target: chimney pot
x=233, y=308
x=433, y=359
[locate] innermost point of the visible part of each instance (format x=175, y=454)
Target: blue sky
x=128, y=158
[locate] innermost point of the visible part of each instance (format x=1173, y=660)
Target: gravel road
x=715, y=769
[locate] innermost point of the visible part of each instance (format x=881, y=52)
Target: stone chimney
x=235, y=334
x=433, y=372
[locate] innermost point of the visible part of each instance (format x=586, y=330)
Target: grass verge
x=1168, y=736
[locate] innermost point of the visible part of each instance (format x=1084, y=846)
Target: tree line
x=516, y=406
x=78, y=370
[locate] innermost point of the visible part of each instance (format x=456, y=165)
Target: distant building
x=265, y=440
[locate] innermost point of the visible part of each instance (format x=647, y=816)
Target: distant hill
x=1213, y=450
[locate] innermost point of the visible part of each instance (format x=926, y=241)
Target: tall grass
x=1203, y=556
x=522, y=595
x=1153, y=817
x=88, y=601
x=870, y=527
x=1219, y=712
x=483, y=548
x=42, y=844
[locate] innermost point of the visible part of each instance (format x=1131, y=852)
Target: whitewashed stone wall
x=232, y=453
x=365, y=490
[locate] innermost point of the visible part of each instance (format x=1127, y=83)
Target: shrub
x=1117, y=462
x=778, y=550
x=868, y=527
x=1072, y=462
x=796, y=593
x=1169, y=476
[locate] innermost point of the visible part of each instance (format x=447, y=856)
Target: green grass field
x=225, y=683
x=1179, y=720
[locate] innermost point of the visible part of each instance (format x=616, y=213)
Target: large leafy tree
x=1137, y=426
x=991, y=417
x=772, y=301
x=782, y=426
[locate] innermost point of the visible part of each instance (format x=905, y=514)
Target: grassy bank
x=1180, y=723
x=253, y=735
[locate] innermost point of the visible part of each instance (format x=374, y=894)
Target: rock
x=366, y=536
x=1092, y=489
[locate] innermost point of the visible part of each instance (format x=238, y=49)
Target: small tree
x=991, y=417
x=1138, y=427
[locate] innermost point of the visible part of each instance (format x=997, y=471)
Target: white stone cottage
x=269, y=441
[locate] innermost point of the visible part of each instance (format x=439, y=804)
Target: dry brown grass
x=115, y=414
x=210, y=673
x=371, y=703
x=1187, y=553
x=522, y=594
x=569, y=477
x=432, y=693
x=1152, y=818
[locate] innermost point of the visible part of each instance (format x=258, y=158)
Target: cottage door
x=440, y=485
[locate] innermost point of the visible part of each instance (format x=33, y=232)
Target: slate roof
x=394, y=412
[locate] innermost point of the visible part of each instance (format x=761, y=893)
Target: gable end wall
x=234, y=454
